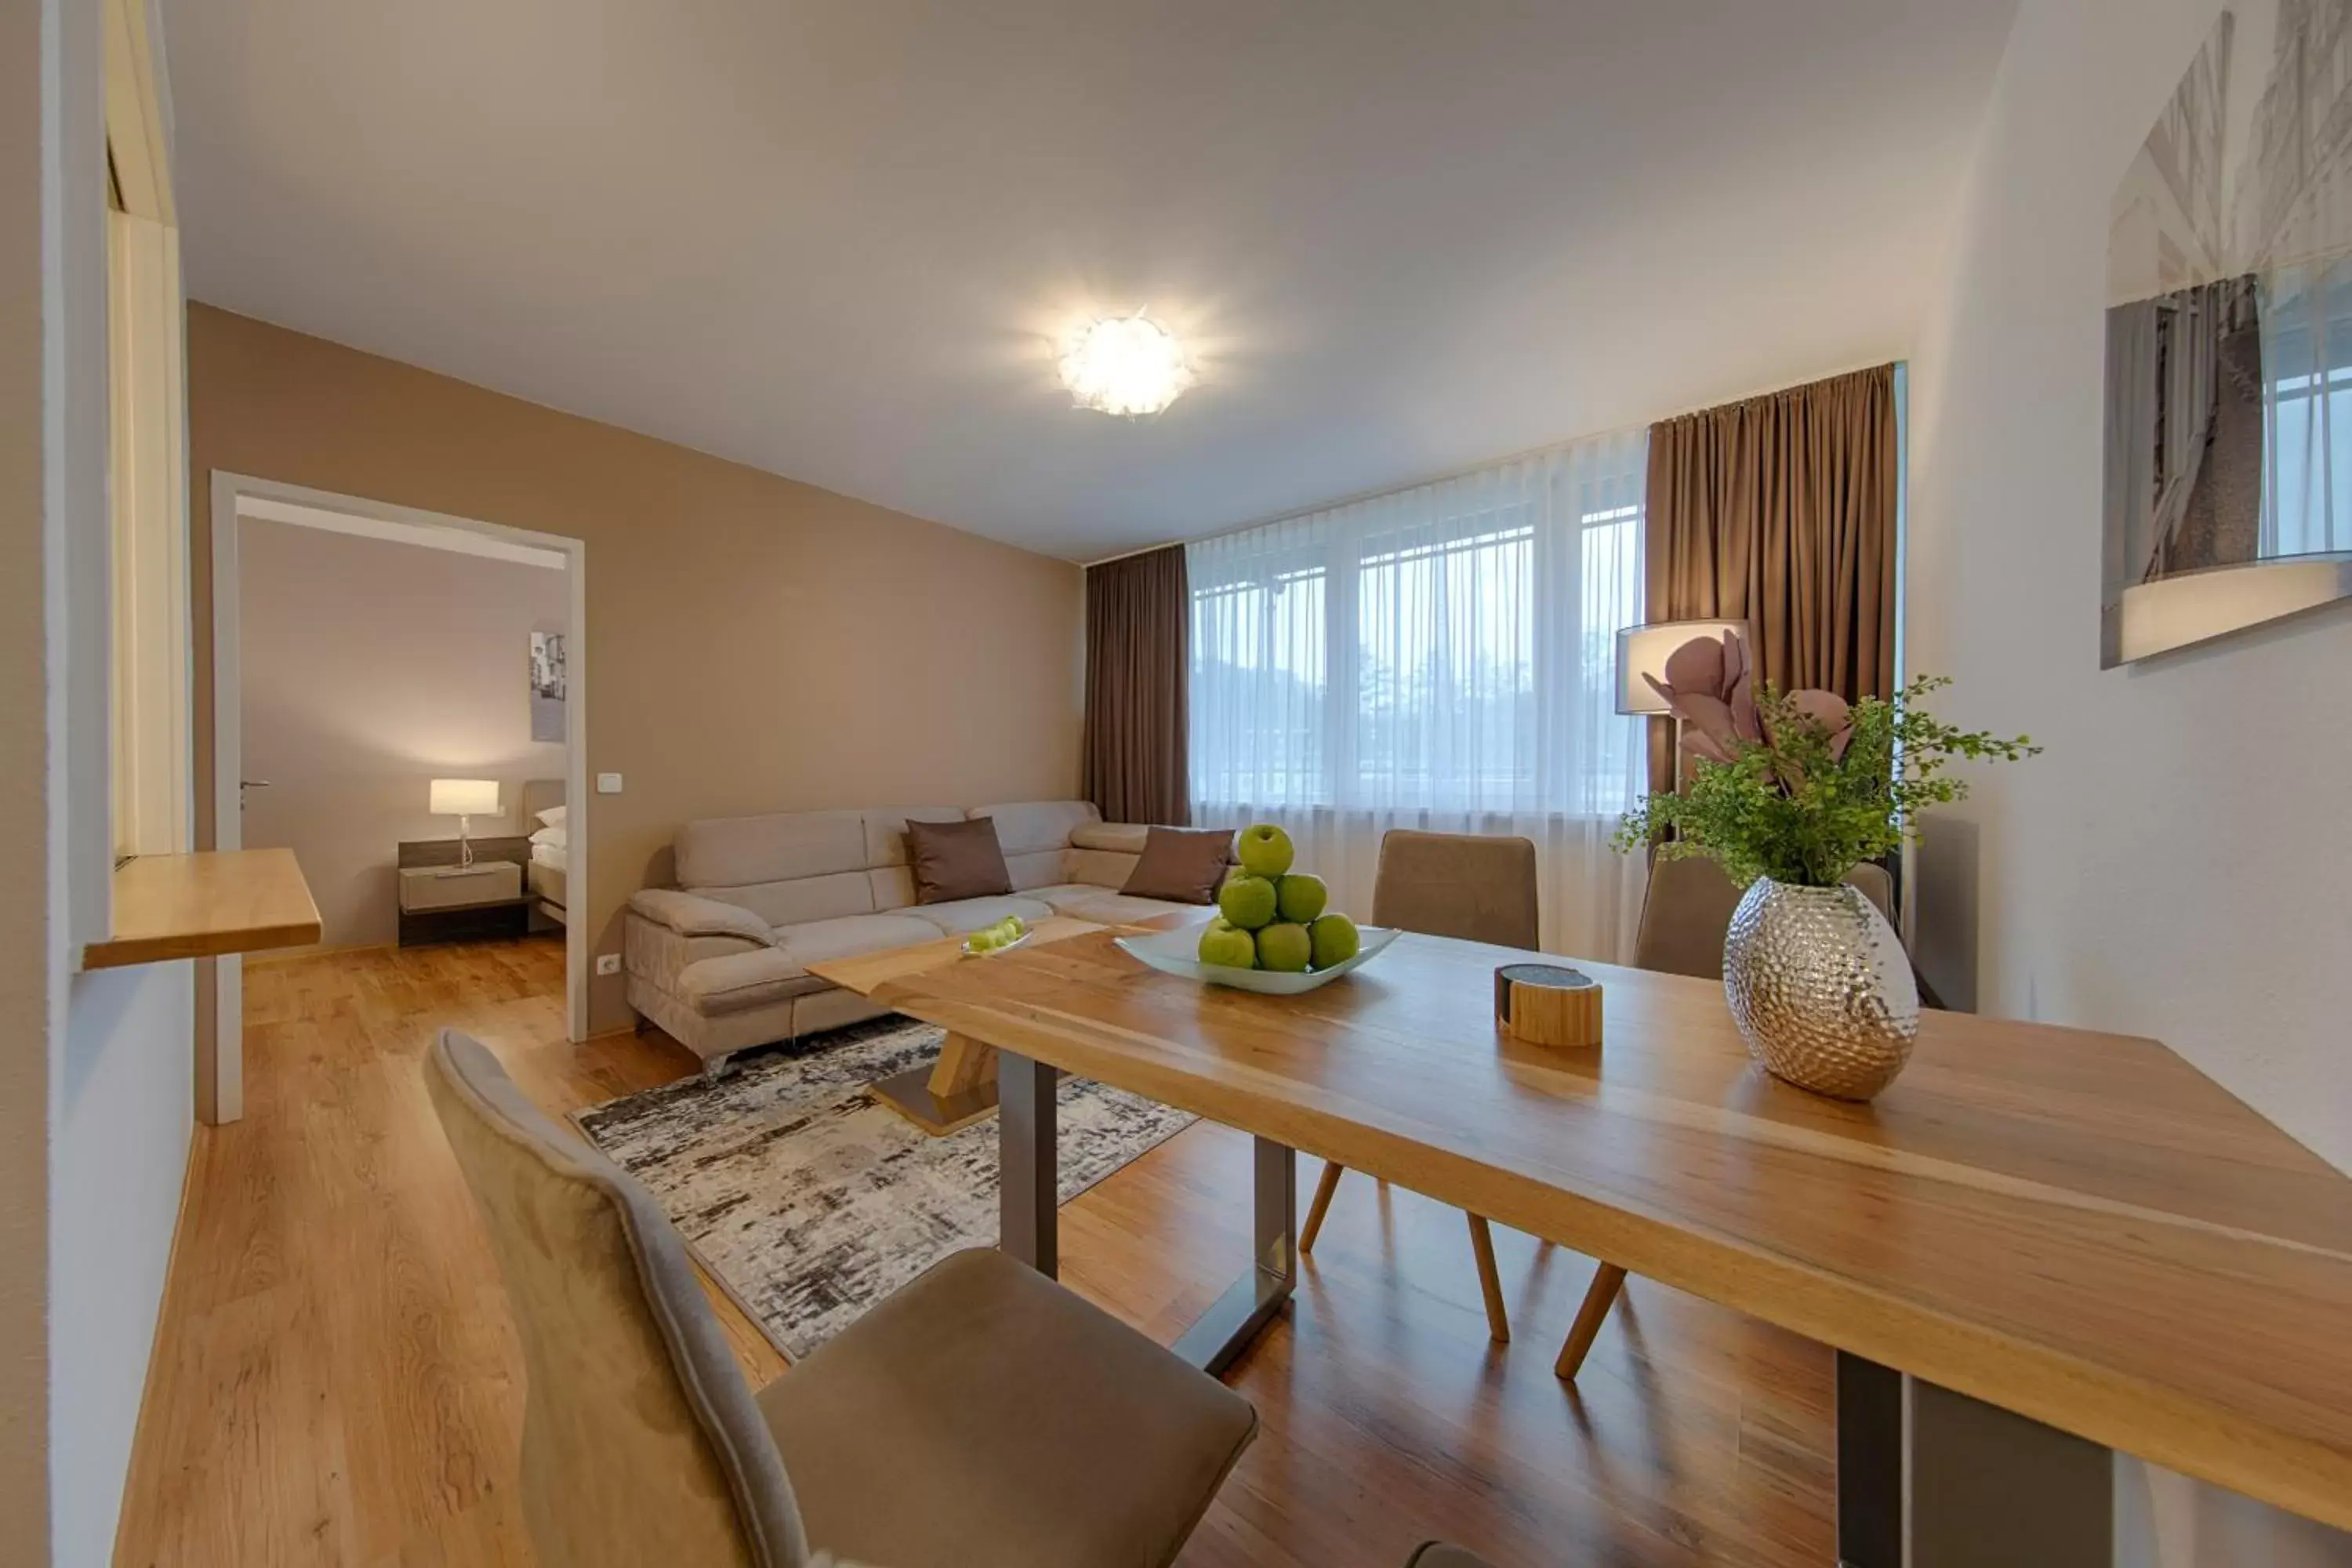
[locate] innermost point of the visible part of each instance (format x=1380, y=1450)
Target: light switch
x=608, y=784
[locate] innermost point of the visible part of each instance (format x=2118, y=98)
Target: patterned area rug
x=810, y=1200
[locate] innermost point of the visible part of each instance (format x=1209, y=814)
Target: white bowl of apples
x=1272, y=933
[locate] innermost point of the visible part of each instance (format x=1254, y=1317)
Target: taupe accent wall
x=370, y=668
x=753, y=643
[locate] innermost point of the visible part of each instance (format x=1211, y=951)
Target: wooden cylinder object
x=1548, y=1005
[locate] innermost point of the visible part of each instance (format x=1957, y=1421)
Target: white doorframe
x=228, y=833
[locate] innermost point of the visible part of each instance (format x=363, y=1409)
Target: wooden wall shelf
x=203, y=905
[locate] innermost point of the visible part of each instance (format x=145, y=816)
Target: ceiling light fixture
x=1128, y=365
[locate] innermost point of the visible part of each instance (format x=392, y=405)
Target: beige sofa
x=720, y=961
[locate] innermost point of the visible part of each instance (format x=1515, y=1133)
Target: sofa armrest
x=1115, y=837
x=691, y=915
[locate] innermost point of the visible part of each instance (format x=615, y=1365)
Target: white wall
x=95, y=1083
x=119, y=1154
x=368, y=668
x=2179, y=862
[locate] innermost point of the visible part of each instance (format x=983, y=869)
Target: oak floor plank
x=336, y=1381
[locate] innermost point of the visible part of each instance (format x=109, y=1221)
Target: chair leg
x=1482, y=1247
x=1329, y=1183
x=1598, y=1297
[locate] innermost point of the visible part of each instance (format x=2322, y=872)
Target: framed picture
x=2227, y=470
x=547, y=686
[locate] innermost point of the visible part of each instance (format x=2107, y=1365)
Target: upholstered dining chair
x=1439, y=1554
x=1685, y=915
x=981, y=1416
x=1476, y=887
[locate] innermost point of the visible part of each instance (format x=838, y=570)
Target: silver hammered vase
x=1821, y=988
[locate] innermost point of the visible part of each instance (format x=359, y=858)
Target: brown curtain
x=1779, y=510
x=1138, y=662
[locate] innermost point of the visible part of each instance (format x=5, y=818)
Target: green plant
x=1800, y=788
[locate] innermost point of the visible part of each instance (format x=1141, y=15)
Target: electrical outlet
x=608, y=964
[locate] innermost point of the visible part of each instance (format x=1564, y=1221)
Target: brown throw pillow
x=956, y=860
x=1182, y=866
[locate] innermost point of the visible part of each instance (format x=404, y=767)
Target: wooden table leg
x=949, y=1096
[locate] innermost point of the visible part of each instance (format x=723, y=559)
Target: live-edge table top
x=2077, y=1226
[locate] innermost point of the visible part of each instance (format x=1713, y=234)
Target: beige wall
x=752, y=644
x=369, y=668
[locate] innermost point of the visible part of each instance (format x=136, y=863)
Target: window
x=147, y=478
x=1439, y=657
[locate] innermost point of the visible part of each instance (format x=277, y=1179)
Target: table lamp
x=463, y=798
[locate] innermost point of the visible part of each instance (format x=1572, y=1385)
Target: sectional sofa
x=720, y=961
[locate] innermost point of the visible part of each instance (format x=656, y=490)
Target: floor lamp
x=1644, y=650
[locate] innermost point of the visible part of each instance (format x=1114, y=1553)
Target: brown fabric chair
x=1438, y=1555
x=1459, y=885
x=1685, y=915
x=982, y=1417
x=1688, y=911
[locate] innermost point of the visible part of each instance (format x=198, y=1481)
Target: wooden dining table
x=2039, y=1246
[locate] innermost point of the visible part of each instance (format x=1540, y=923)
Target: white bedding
x=551, y=854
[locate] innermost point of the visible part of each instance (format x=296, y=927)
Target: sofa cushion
x=738, y=851
x=742, y=980
x=1086, y=901
x=799, y=899
x=854, y=934
x=1182, y=866
x=1029, y=828
x=956, y=860
x=1100, y=868
x=967, y=915
x=1037, y=870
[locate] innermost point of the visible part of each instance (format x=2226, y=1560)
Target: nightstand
x=486, y=901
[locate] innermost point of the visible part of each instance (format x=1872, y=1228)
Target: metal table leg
x=1931, y=1478
x=1219, y=1334
x=1029, y=1218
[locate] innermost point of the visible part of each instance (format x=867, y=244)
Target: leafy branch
x=1808, y=797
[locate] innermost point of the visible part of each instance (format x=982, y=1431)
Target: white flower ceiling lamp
x=1128, y=365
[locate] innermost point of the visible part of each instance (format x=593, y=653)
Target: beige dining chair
x=1440, y=1554
x=981, y=1416
x=1478, y=889
x=1685, y=915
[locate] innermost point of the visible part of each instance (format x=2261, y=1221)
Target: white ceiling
x=835, y=240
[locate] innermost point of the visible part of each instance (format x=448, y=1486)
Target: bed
x=547, y=875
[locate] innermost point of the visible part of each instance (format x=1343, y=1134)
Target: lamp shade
x=465, y=797
x=1644, y=651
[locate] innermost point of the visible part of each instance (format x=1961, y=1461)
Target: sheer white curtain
x=1440, y=658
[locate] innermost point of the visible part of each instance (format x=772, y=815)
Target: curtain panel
x=1781, y=510
x=1441, y=657
x=1138, y=621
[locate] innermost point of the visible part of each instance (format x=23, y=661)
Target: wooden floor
x=336, y=1381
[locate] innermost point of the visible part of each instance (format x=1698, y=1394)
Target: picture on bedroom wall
x=2228, y=378
x=547, y=686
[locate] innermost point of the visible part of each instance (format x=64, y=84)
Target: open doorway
x=399, y=698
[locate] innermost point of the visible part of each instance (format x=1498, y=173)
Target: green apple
x=1265, y=850
x=1246, y=900
x=1228, y=946
x=1335, y=940
x=1285, y=946
x=1300, y=898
